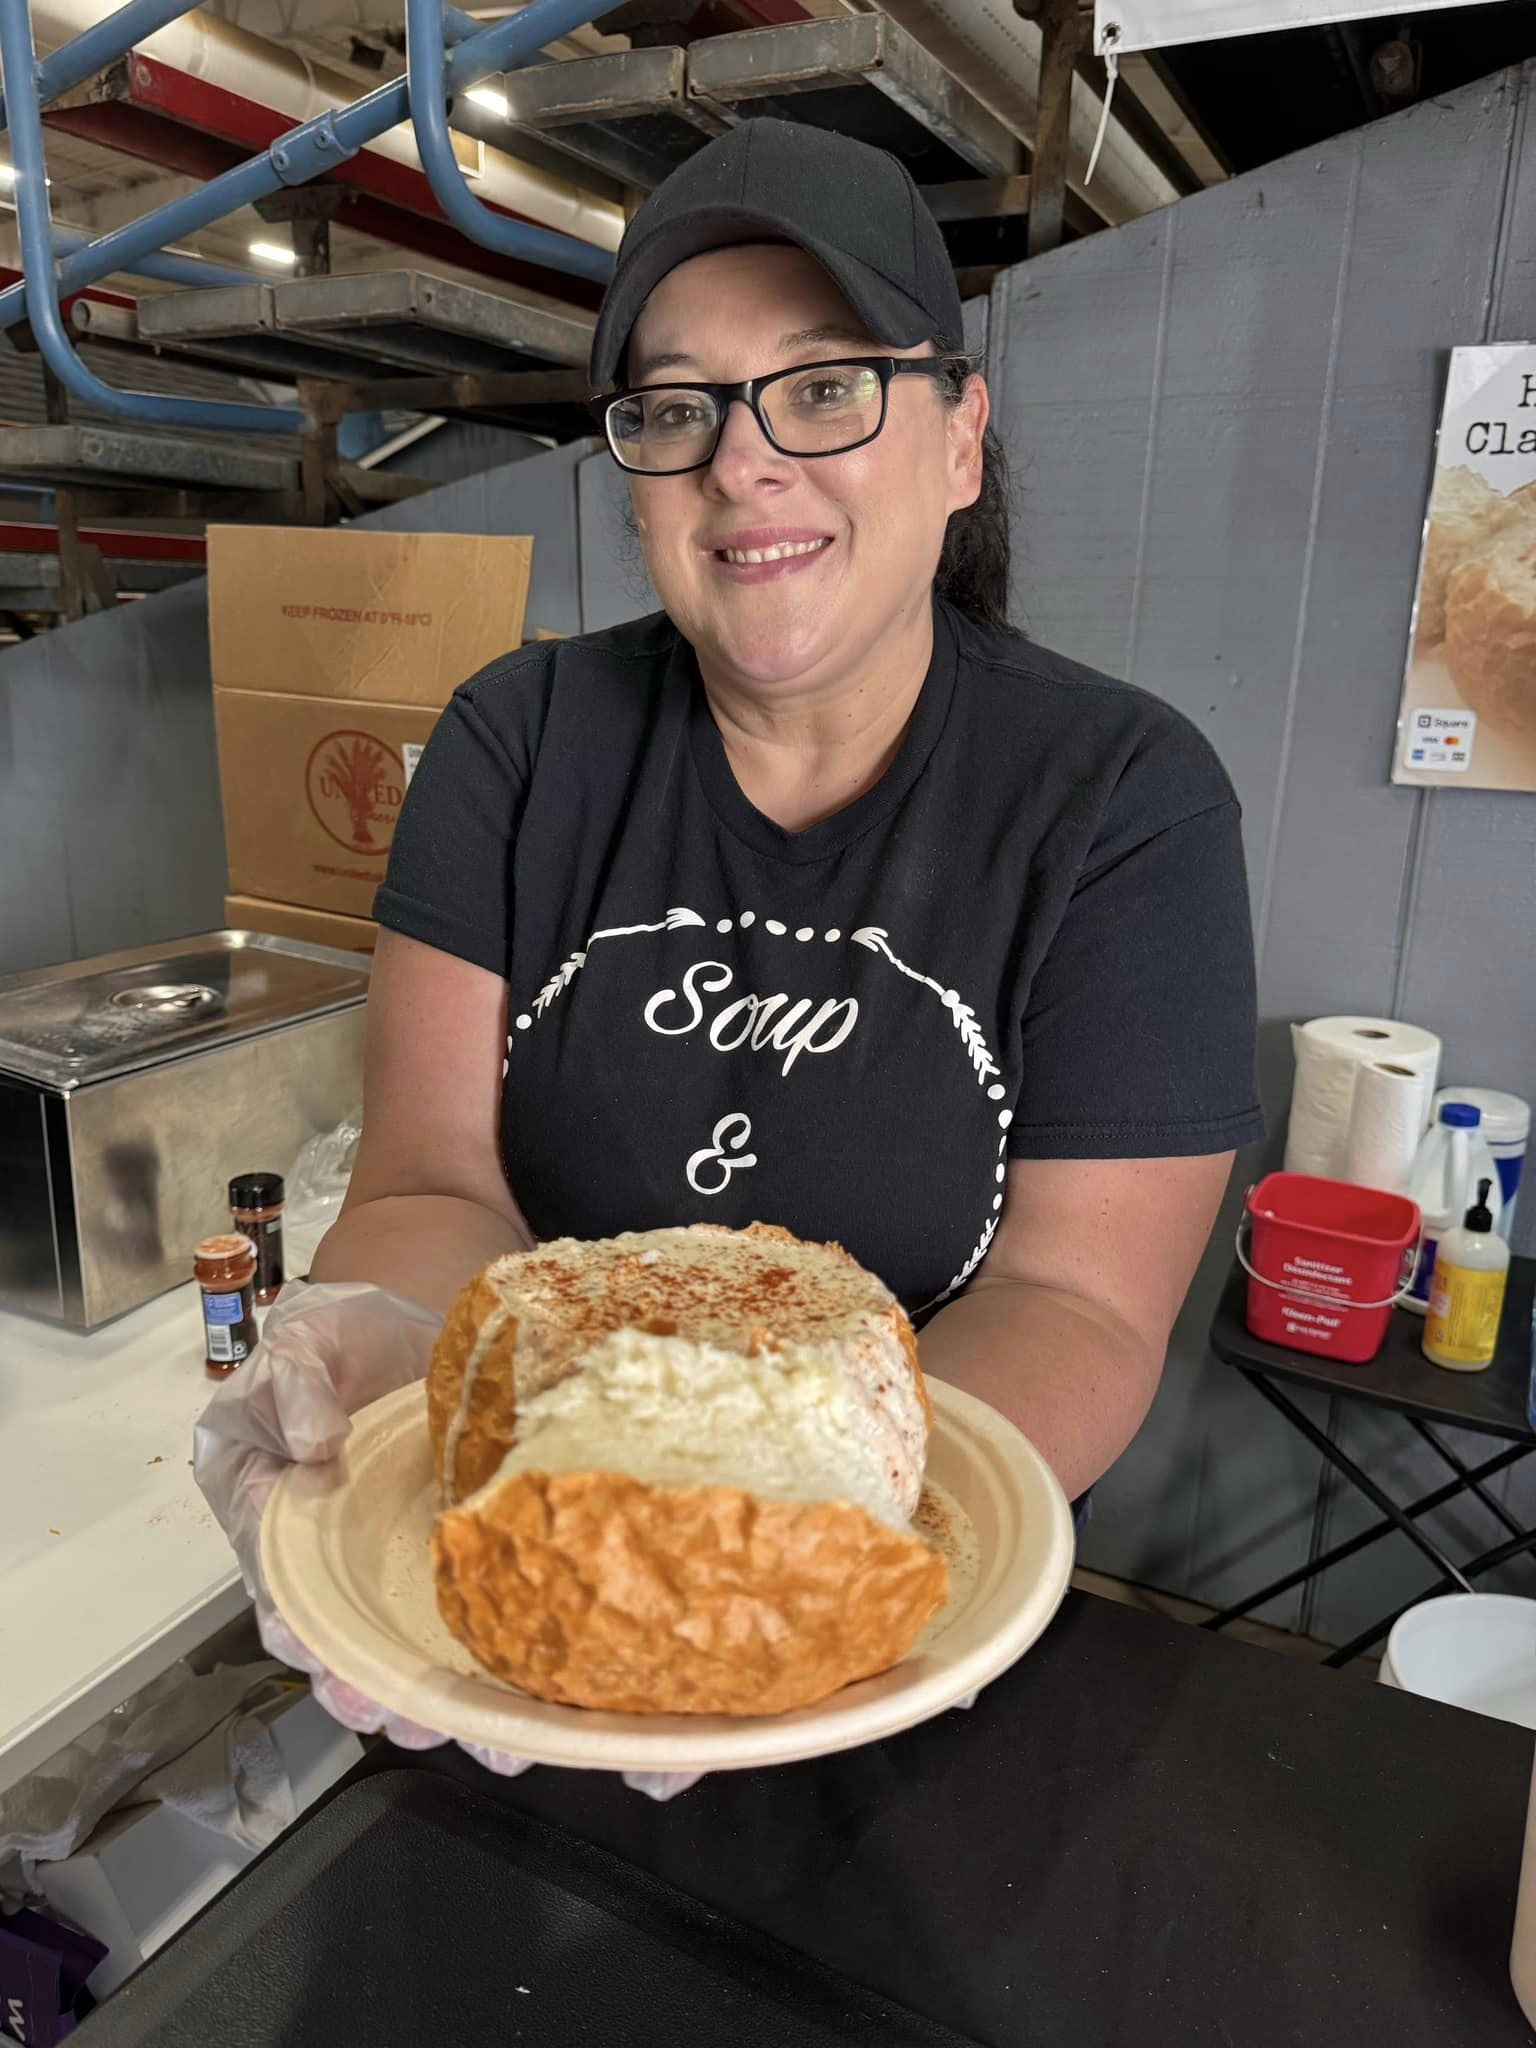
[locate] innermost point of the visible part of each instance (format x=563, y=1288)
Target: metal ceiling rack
x=235, y=336
x=312, y=149
x=638, y=114
x=41, y=274
x=403, y=339
x=630, y=116
x=454, y=348
x=93, y=455
x=863, y=75
x=169, y=456
x=405, y=318
x=36, y=570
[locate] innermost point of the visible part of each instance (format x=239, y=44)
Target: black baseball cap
x=851, y=206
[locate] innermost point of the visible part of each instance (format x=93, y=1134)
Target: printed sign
x=1468, y=717
x=1158, y=24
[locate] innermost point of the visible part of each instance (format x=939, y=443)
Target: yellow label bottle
x=1467, y=1294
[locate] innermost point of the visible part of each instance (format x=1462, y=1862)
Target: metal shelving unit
x=140, y=458
x=453, y=348
x=402, y=339
x=861, y=75
x=38, y=584
x=637, y=115
x=349, y=325
x=630, y=116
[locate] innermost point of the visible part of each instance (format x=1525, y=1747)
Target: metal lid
x=94, y=1019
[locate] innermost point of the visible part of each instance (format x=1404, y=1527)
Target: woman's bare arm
x=429, y=1203
x=1065, y=1327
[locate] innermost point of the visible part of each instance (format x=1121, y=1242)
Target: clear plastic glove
x=327, y=1350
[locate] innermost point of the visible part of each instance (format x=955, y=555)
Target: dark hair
x=973, y=564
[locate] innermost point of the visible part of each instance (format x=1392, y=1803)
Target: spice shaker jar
x=256, y=1209
x=225, y=1269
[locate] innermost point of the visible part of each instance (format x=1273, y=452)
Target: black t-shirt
x=1029, y=940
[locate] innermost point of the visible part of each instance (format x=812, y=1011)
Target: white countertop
x=111, y=1566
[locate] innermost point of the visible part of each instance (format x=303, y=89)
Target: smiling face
x=789, y=575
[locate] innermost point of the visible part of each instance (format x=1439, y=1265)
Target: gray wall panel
x=1283, y=390
x=113, y=727
x=1212, y=531
x=150, y=755
x=1347, y=841
x=36, y=923
x=1466, y=965
x=1075, y=342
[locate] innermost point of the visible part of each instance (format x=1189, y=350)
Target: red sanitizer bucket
x=1327, y=1262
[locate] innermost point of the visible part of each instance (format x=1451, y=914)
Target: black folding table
x=1401, y=1379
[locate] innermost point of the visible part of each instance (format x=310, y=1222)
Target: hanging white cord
x=1109, y=36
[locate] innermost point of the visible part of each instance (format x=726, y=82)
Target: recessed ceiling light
x=272, y=252
x=486, y=96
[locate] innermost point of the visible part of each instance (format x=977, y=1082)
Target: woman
x=820, y=897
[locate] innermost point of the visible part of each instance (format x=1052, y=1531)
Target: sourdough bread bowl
x=679, y=1470
x=1490, y=640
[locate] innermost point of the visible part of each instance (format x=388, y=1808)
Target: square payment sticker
x=1439, y=740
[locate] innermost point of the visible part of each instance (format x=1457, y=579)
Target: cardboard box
x=333, y=653
x=292, y=921
x=381, y=618
x=312, y=791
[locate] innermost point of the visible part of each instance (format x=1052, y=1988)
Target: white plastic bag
x=317, y=1187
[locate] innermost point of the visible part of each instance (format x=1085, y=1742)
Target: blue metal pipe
x=427, y=75
x=165, y=269
x=320, y=145
x=18, y=64
x=122, y=249
x=457, y=27
x=100, y=45
x=427, y=72
x=507, y=44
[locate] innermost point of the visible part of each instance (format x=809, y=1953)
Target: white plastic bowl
x=1472, y=1650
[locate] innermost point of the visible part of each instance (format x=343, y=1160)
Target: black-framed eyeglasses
x=813, y=409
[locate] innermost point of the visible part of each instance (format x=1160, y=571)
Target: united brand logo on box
x=356, y=785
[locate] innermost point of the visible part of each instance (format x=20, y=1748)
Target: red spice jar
x=225, y=1269
x=256, y=1209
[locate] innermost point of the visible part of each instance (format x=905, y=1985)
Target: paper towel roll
x=1330, y=1052
x=1386, y=1121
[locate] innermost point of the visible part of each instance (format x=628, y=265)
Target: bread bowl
x=1465, y=514
x=1490, y=639
x=679, y=1470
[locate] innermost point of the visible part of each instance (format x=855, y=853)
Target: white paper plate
x=344, y=1546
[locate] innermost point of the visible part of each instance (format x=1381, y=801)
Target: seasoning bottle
x=256, y=1209
x=1467, y=1298
x=225, y=1268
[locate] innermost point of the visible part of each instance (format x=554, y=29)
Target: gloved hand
x=328, y=1349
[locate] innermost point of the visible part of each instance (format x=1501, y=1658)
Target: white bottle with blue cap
x=1506, y=1129
x=1452, y=1158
